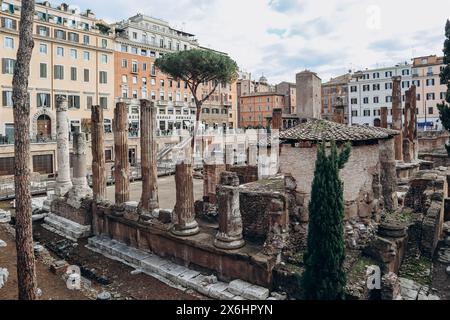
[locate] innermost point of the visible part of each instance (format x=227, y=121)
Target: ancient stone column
x=397, y=116
x=388, y=174
x=407, y=143
x=121, y=163
x=63, y=182
x=277, y=119
x=185, y=224
x=80, y=189
x=229, y=236
x=384, y=117
x=98, y=154
x=413, y=123
x=252, y=154
x=149, y=198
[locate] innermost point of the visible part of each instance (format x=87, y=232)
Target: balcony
x=162, y=103
x=6, y=140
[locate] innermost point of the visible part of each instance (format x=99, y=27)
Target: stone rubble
x=411, y=290
x=66, y=228
x=2, y=243
x=3, y=276
x=179, y=276
x=5, y=216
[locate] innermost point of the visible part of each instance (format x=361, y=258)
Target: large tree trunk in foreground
x=26, y=274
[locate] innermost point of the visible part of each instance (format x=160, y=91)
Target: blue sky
x=281, y=37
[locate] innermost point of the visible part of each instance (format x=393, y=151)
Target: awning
x=426, y=124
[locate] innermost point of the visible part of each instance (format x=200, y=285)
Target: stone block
x=238, y=287
x=226, y=295
x=217, y=289
x=256, y=293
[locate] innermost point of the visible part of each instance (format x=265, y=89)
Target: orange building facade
x=258, y=107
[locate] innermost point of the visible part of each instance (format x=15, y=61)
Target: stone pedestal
x=98, y=154
x=121, y=164
x=80, y=189
x=185, y=224
x=63, y=182
x=149, y=198
x=211, y=178
x=229, y=236
x=397, y=115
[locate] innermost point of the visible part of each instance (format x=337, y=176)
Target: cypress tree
x=324, y=277
x=444, y=109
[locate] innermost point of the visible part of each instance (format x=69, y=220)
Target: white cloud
x=282, y=37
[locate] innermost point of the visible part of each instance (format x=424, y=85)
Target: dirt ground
x=116, y=277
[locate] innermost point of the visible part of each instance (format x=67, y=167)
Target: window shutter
x=14, y=24
x=3, y=65
x=3, y=22
x=4, y=102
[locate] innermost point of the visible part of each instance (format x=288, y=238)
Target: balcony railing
x=6, y=140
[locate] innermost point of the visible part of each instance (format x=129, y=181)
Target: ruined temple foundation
x=149, y=198
x=80, y=189
x=185, y=224
x=63, y=182
x=121, y=163
x=229, y=236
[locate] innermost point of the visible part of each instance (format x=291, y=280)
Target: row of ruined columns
x=229, y=235
x=405, y=144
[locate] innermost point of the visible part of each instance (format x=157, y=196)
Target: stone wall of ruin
x=360, y=175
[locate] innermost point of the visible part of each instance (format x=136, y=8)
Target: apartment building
x=335, y=99
x=289, y=90
x=73, y=56
x=430, y=90
x=370, y=90
x=257, y=108
x=139, y=41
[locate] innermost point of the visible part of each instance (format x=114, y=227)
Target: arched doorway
x=377, y=123
x=44, y=127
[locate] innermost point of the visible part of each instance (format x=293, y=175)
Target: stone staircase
x=179, y=276
x=66, y=228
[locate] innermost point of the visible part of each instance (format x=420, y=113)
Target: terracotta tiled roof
x=323, y=130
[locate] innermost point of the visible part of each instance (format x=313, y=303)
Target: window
x=144, y=66
x=376, y=87
x=124, y=63
x=75, y=126
x=73, y=53
x=405, y=72
x=74, y=102
x=86, y=40
x=405, y=84
x=376, y=99
x=103, y=77
x=153, y=95
x=366, y=87
x=135, y=80
x=416, y=83
x=74, y=37
x=43, y=164
x=43, y=48
x=134, y=94
x=104, y=59
x=353, y=89
x=7, y=164
x=430, y=110
x=389, y=99
x=42, y=31
x=388, y=74
x=388, y=86
x=376, y=112
x=376, y=75
x=108, y=128
x=153, y=70
x=430, y=96
x=366, y=100
x=104, y=102
x=86, y=55
x=108, y=152
x=124, y=48
x=170, y=84
x=161, y=83
x=430, y=71
x=89, y=102
x=366, y=113
x=104, y=43
x=124, y=78
x=125, y=93
x=43, y=70
x=43, y=100
x=9, y=23
x=354, y=113
x=430, y=82
x=134, y=66
x=60, y=51
x=418, y=97
x=354, y=101
x=73, y=74
x=144, y=81
x=9, y=43
x=443, y=95
x=7, y=99
x=134, y=50
x=153, y=82
x=59, y=72
x=86, y=75
x=60, y=34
